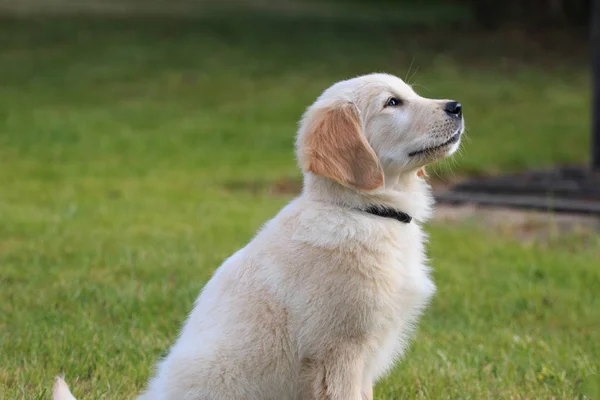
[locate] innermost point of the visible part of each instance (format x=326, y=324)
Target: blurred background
x=142, y=142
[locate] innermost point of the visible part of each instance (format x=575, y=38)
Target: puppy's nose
x=453, y=108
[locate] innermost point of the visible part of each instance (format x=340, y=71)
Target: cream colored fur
x=323, y=300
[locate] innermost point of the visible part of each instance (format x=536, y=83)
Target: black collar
x=389, y=213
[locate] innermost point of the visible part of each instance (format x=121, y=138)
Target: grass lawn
x=137, y=155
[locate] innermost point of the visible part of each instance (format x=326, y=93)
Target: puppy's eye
x=393, y=102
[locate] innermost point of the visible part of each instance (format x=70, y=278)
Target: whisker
x=413, y=75
x=423, y=86
x=409, y=68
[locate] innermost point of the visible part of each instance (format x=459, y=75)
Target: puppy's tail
x=61, y=390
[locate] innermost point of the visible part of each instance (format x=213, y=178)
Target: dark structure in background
x=575, y=189
x=596, y=86
x=533, y=13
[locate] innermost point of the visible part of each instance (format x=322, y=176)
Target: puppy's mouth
x=455, y=138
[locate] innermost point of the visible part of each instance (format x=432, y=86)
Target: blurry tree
x=535, y=13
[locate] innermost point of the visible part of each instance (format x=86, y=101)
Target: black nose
x=453, y=108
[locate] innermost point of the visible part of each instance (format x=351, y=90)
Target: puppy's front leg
x=336, y=376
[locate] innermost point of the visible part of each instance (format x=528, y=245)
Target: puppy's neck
x=407, y=192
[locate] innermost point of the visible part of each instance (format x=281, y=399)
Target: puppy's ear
x=331, y=144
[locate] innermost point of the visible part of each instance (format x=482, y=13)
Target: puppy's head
x=363, y=129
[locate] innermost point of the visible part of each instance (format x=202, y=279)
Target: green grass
x=138, y=154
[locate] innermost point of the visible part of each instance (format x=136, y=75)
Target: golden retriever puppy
x=322, y=301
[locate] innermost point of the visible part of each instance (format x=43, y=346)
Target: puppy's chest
x=402, y=285
x=402, y=291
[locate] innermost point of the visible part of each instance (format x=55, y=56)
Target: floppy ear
x=333, y=146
